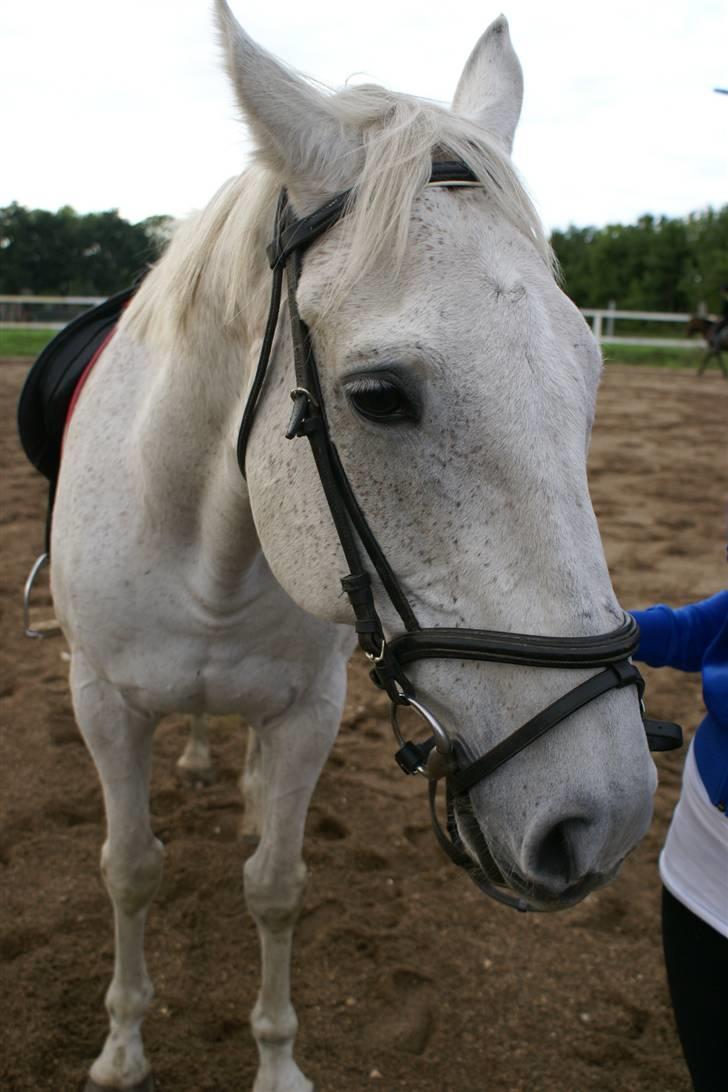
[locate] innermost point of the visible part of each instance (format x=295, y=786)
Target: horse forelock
x=396, y=138
x=216, y=259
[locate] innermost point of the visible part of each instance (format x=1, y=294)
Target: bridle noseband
x=439, y=757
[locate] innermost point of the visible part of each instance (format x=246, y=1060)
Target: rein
x=439, y=757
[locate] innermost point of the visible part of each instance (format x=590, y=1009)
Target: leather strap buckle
x=302, y=402
x=377, y=658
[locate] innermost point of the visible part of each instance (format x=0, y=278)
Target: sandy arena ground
x=405, y=977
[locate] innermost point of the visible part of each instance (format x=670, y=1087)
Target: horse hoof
x=147, y=1085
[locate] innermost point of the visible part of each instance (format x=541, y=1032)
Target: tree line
x=66, y=253
x=656, y=264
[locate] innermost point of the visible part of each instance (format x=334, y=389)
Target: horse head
x=460, y=385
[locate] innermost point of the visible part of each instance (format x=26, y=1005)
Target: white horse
x=182, y=588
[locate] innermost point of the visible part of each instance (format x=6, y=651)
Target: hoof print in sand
x=330, y=828
x=409, y=1006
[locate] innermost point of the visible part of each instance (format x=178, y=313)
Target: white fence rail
x=602, y=324
x=15, y=312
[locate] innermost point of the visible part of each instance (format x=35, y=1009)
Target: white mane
x=217, y=257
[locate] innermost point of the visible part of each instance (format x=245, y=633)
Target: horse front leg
x=120, y=742
x=291, y=756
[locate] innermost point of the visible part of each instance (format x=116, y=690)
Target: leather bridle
x=439, y=757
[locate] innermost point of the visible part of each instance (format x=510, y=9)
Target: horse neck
x=194, y=492
x=206, y=305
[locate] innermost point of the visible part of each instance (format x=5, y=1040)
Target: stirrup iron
x=42, y=629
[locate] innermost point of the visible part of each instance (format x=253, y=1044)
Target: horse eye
x=380, y=400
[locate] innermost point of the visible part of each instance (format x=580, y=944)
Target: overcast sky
x=124, y=105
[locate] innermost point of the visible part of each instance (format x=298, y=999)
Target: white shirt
x=694, y=860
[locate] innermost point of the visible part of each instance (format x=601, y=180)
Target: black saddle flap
x=51, y=381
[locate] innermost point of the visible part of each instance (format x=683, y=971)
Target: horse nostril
x=556, y=858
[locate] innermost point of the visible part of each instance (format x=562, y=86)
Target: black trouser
x=696, y=958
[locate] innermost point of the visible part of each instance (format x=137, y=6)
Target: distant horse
x=451, y=408
x=699, y=324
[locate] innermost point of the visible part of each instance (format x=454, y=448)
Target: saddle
x=46, y=403
x=53, y=380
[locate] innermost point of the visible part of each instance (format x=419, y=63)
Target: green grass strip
x=24, y=342
x=652, y=356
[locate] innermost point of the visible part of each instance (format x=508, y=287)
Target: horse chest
x=171, y=650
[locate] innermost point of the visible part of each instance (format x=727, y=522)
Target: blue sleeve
x=680, y=637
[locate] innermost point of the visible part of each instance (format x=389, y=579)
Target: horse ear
x=490, y=90
x=292, y=123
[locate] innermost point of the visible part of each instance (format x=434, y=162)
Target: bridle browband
x=439, y=757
